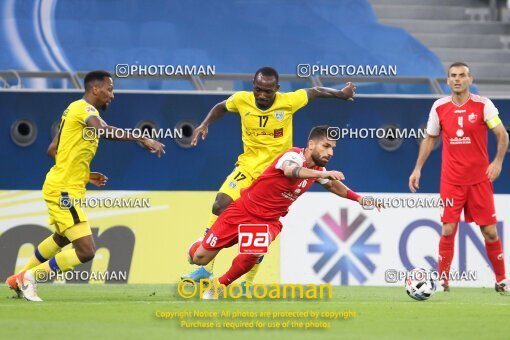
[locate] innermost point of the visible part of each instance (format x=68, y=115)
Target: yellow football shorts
x=67, y=216
x=237, y=180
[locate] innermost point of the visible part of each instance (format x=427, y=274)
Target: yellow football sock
x=41, y=270
x=210, y=266
x=67, y=260
x=211, y=220
x=63, y=261
x=43, y=252
x=250, y=276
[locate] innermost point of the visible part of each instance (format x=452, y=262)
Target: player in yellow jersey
x=73, y=149
x=266, y=123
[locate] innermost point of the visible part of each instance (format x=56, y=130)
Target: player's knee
x=448, y=229
x=490, y=234
x=492, y=238
x=218, y=208
x=447, y=232
x=86, y=253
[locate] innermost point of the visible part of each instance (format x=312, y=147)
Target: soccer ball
x=419, y=284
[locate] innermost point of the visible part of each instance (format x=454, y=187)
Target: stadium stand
x=61, y=39
x=456, y=30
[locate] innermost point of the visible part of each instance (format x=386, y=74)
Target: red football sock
x=446, y=250
x=240, y=266
x=495, y=255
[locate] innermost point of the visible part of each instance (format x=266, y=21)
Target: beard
x=104, y=107
x=318, y=161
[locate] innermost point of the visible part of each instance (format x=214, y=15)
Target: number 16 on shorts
x=253, y=238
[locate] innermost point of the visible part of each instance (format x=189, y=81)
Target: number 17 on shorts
x=253, y=238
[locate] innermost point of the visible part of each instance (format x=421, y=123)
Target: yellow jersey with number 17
x=265, y=133
x=75, y=149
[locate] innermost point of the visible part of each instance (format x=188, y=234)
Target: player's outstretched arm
x=112, y=133
x=340, y=189
x=347, y=93
x=293, y=170
x=216, y=112
x=494, y=169
x=425, y=149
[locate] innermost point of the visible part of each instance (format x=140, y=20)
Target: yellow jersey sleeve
x=83, y=115
x=233, y=101
x=297, y=99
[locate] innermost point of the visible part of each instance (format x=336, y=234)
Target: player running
x=268, y=198
x=466, y=175
x=73, y=148
x=266, y=124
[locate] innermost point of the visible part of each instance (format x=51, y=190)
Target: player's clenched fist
x=154, y=146
x=333, y=175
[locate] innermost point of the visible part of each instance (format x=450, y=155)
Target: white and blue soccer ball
x=420, y=285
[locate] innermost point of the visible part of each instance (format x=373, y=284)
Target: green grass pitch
x=128, y=312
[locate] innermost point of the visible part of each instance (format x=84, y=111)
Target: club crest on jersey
x=279, y=115
x=232, y=184
x=90, y=109
x=472, y=117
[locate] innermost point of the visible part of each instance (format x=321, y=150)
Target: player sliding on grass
x=73, y=148
x=463, y=120
x=268, y=198
x=266, y=123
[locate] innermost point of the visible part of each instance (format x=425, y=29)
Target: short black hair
x=268, y=72
x=319, y=132
x=457, y=64
x=93, y=76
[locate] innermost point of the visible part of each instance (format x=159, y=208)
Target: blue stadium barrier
x=366, y=165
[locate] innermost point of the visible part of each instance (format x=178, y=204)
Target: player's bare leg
x=495, y=255
x=221, y=202
x=45, y=250
x=199, y=255
x=446, y=251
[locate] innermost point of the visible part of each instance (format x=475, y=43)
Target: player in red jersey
x=268, y=198
x=466, y=175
